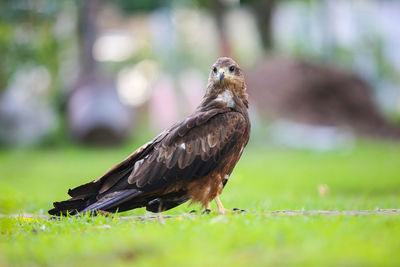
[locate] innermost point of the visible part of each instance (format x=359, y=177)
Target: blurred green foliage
x=27, y=36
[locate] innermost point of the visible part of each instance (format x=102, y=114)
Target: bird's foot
x=207, y=211
x=238, y=210
x=235, y=210
x=222, y=210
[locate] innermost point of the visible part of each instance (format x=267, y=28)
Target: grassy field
x=266, y=179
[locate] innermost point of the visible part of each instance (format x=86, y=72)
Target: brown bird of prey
x=192, y=160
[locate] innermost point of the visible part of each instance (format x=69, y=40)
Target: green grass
x=266, y=178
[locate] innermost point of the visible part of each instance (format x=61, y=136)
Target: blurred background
x=319, y=73
x=85, y=83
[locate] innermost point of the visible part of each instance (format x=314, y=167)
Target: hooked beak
x=221, y=75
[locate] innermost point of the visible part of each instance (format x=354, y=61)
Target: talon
x=206, y=211
x=238, y=210
x=193, y=211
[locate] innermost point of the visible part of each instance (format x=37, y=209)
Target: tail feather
x=112, y=200
x=94, y=194
x=71, y=206
x=109, y=202
x=85, y=190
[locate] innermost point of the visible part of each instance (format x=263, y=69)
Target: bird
x=191, y=160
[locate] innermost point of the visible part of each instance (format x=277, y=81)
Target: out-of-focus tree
x=96, y=114
x=29, y=63
x=26, y=36
x=219, y=9
x=129, y=7
x=263, y=11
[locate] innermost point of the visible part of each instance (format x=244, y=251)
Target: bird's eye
x=215, y=70
x=232, y=68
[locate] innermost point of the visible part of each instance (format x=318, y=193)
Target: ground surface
x=266, y=179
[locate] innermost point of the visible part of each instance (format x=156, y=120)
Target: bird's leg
x=221, y=208
x=208, y=208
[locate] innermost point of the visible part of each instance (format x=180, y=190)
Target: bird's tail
x=112, y=201
x=71, y=206
x=108, y=202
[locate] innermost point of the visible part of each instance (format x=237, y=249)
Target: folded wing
x=188, y=150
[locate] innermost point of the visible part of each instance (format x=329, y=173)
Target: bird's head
x=226, y=72
x=226, y=79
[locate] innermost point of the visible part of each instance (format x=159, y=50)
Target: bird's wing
x=191, y=150
x=188, y=150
